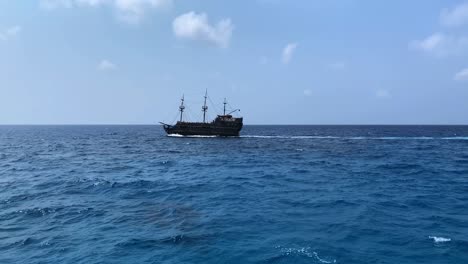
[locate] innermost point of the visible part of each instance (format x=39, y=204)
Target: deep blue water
x=278, y=194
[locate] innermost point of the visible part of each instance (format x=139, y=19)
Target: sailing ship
x=224, y=125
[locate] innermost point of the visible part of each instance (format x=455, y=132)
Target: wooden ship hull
x=231, y=129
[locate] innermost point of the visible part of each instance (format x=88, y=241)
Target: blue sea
x=277, y=194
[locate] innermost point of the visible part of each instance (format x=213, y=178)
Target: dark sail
x=223, y=125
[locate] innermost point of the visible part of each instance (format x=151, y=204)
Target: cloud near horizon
x=195, y=26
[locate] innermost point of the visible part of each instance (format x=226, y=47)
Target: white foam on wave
x=174, y=135
x=357, y=138
x=45, y=243
x=255, y=136
x=400, y=138
x=354, y=138
x=289, y=137
x=322, y=260
x=192, y=136
x=328, y=137
x=440, y=239
x=306, y=252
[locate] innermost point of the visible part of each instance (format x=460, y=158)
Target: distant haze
x=280, y=62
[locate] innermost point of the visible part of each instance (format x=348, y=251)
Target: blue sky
x=280, y=62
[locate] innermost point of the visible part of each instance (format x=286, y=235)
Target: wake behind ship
x=224, y=125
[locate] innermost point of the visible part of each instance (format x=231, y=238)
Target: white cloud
x=92, y=2
x=13, y=31
x=456, y=16
x=106, y=65
x=430, y=43
x=288, y=52
x=10, y=32
x=307, y=92
x=197, y=27
x=441, y=45
x=130, y=11
x=133, y=10
x=445, y=44
x=382, y=93
x=339, y=65
x=461, y=75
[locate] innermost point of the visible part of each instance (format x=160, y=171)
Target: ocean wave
x=45, y=243
x=456, y=138
x=154, y=242
x=305, y=251
x=440, y=239
x=290, y=137
x=330, y=137
x=402, y=138
x=19, y=243
x=38, y=212
x=234, y=200
x=352, y=138
x=192, y=136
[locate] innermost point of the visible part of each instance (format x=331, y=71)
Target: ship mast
x=205, y=108
x=181, y=107
x=224, y=111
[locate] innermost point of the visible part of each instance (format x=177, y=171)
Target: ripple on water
x=293, y=254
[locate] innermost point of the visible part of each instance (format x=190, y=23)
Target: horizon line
x=154, y=124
